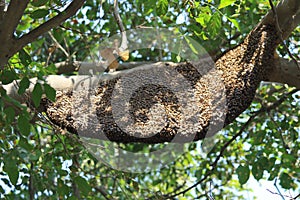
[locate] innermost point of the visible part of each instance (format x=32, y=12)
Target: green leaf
x=270, y=165
x=243, y=173
x=24, y=57
x=257, y=170
x=162, y=7
x=263, y=162
x=50, y=92
x=235, y=23
x=24, y=84
x=204, y=16
x=40, y=13
x=194, y=45
x=62, y=189
x=83, y=185
x=214, y=25
x=11, y=168
x=274, y=172
x=10, y=114
x=8, y=76
x=37, y=94
x=24, y=125
x=148, y=6
x=225, y=3
x=38, y=3
x=286, y=181
x=24, y=144
x=58, y=34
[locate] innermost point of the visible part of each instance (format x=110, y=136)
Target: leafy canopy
x=32, y=155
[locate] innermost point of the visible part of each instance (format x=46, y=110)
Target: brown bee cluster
x=241, y=70
x=245, y=66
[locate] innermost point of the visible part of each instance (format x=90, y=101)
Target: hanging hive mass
x=241, y=70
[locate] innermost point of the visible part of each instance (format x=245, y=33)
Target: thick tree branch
x=288, y=13
x=285, y=71
x=8, y=24
x=12, y=17
x=2, y=10
x=57, y=82
x=66, y=67
x=53, y=22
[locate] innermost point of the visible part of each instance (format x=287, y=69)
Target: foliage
x=32, y=155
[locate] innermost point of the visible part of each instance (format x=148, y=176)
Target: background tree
x=42, y=38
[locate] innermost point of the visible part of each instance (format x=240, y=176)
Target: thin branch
x=210, y=195
x=124, y=45
x=286, y=147
x=288, y=12
x=117, y=16
x=13, y=15
x=285, y=71
x=275, y=184
x=31, y=188
x=296, y=196
x=280, y=32
x=76, y=191
x=275, y=193
x=102, y=191
x=58, y=45
x=53, y=22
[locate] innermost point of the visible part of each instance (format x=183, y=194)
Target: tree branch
x=12, y=17
x=2, y=9
x=55, y=21
x=57, y=82
x=280, y=33
x=66, y=67
x=59, y=45
x=285, y=71
x=288, y=12
x=31, y=187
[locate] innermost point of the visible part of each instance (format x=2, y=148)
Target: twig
x=296, y=197
x=275, y=193
x=117, y=16
x=102, y=191
x=31, y=188
x=286, y=147
x=280, y=34
x=58, y=45
x=210, y=195
x=124, y=45
x=275, y=184
x=76, y=190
